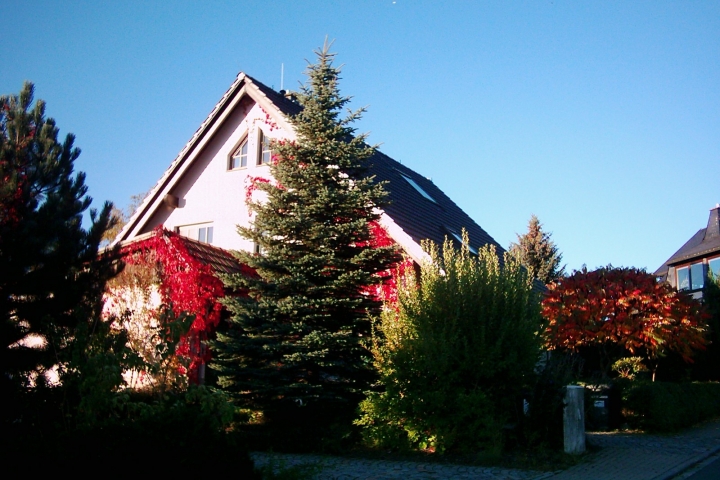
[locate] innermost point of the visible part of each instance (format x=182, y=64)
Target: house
x=202, y=194
x=689, y=267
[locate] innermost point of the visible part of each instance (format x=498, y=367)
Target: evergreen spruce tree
x=51, y=278
x=297, y=338
x=538, y=253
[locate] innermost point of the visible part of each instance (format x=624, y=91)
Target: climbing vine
x=165, y=294
x=161, y=282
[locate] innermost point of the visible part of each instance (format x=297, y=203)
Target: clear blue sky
x=602, y=118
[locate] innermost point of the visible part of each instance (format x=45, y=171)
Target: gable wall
x=209, y=192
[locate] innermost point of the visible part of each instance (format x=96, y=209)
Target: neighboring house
x=203, y=193
x=688, y=268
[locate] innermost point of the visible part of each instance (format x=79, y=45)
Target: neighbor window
x=714, y=267
x=264, y=152
x=692, y=277
x=239, y=158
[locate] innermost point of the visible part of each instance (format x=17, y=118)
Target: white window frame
x=201, y=232
x=263, y=148
x=242, y=158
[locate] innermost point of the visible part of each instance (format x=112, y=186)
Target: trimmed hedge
x=666, y=407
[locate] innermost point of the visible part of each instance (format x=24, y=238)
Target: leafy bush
x=454, y=354
x=629, y=367
x=619, y=311
x=666, y=407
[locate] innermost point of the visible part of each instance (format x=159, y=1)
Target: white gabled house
x=202, y=194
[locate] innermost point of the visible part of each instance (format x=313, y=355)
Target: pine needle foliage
x=538, y=253
x=453, y=353
x=51, y=275
x=296, y=337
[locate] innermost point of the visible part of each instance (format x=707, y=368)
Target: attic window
x=264, y=152
x=418, y=188
x=239, y=158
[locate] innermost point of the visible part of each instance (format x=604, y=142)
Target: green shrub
x=666, y=407
x=454, y=354
x=629, y=367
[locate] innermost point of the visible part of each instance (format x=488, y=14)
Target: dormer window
x=418, y=188
x=239, y=158
x=264, y=152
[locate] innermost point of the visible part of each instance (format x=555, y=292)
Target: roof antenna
x=282, y=75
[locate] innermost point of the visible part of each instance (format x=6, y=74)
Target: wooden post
x=574, y=419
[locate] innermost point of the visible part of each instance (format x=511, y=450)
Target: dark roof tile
x=705, y=242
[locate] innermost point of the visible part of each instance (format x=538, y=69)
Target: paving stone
x=622, y=456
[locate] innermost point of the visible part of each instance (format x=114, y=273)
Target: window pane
x=202, y=234
x=265, y=153
x=418, y=188
x=209, y=234
x=697, y=276
x=239, y=159
x=244, y=154
x=683, y=278
x=714, y=265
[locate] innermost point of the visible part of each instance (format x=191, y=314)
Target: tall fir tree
x=538, y=253
x=297, y=337
x=51, y=277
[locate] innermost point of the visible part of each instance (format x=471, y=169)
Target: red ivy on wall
x=386, y=291
x=187, y=285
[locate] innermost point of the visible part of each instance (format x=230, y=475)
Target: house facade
x=689, y=268
x=203, y=193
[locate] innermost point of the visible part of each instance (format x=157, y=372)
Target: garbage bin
x=598, y=410
x=603, y=407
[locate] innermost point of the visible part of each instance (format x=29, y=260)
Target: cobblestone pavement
x=631, y=456
x=338, y=468
x=625, y=456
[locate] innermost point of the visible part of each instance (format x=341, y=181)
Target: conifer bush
x=454, y=354
x=293, y=347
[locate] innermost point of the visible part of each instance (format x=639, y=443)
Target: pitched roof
x=705, y=242
x=417, y=215
x=417, y=205
x=219, y=259
x=420, y=217
x=243, y=85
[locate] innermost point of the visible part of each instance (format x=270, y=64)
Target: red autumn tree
x=620, y=310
